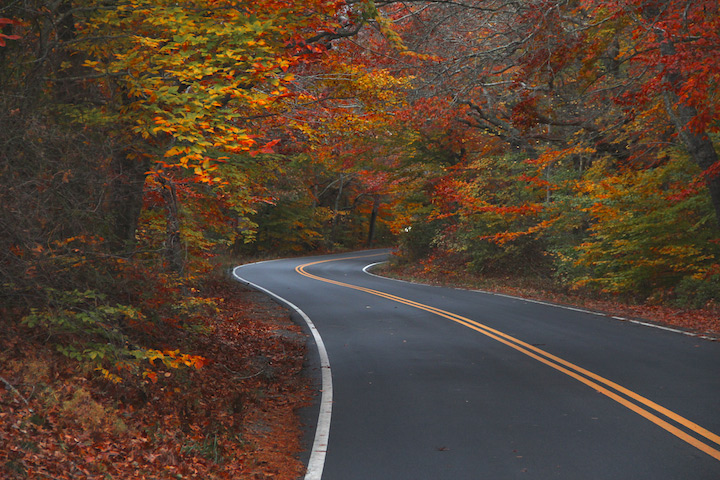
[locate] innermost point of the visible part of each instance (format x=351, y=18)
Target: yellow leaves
x=109, y=375
x=551, y=156
x=148, y=42
x=191, y=75
x=175, y=151
x=165, y=129
x=640, y=238
x=173, y=359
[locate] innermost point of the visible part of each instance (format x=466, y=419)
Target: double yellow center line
x=635, y=402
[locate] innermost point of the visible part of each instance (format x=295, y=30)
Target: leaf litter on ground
x=236, y=417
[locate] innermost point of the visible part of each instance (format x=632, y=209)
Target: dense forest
x=146, y=144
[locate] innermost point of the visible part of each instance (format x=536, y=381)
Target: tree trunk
x=173, y=242
x=336, y=214
x=373, y=219
x=698, y=144
x=126, y=199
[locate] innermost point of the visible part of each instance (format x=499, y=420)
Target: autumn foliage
x=142, y=142
x=584, y=143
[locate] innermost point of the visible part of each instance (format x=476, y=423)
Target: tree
x=130, y=123
x=565, y=89
x=680, y=38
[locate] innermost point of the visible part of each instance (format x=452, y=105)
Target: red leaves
x=266, y=149
x=713, y=171
x=678, y=50
x=524, y=113
x=3, y=36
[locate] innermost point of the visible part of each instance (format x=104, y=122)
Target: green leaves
x=642, y=238
x=83, y=326
x=87, y=329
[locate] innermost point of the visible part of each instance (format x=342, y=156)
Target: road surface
x=423, y=382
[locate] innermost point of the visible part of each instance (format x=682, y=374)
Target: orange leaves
x=172, y=151
x=179, y=359
x=502, y=238
x=509, y=210
x=266, y=149
x=550, y=155
x=173, y=359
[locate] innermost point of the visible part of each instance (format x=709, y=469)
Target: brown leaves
x=220, y=421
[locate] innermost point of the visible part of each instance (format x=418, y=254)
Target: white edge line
x=530, y=300
x=316, y=463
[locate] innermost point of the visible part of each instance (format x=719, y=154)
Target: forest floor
x=235, y=417
x=703, y=322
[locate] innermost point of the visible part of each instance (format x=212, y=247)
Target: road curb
x=639, y=322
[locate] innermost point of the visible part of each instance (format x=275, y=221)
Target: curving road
x=423, y=382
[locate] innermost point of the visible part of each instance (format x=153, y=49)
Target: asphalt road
x=437, y=383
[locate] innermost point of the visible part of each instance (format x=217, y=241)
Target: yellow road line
x=568, y=368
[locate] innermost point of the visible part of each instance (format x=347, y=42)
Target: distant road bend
x=422, y=382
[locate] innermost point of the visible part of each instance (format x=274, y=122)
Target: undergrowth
x=233, y=417
x=687, y=307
